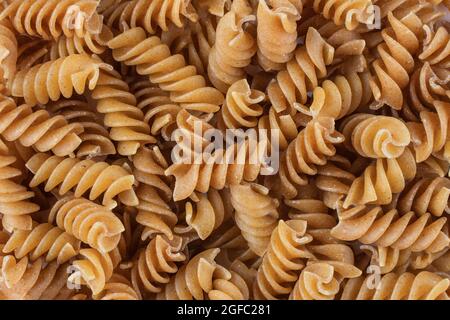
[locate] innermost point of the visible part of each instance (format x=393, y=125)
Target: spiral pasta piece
x=67, y=173
x=89, y=222
x=170, y=72
x=283, y=260
x=404, y=286
x=117, y=288
x=436, y=47
x=340, y=97
x=15, y=199
x=87, y=44
x=373, y=226
x=277, y=32
x=153, y=193
x=95, y=138
x=159, y=111
x=256, y=215
x=234, y=48
x=204, y=213
x=150, y=14
x=302, y=74
x=43, y=240
x=53, y=18
x=154, y=264
x=350, y=14
x=241, y=107
x=375, y=136
x=36, y=281
x=426, y=195
x=391, y=71
x=381, y=179
x=9, y=52
x=94, y=268
x=311, y=148
x=121, y=115
x=322, y=281
x=53, y=79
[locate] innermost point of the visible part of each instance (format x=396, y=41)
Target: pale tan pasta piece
x=351, y=15
x=15, y=199
x=381, y=179
x=427, y=11
x=155, y=263
x=36, y=281
x=149, y=14
x=277, y=32
x=53, y=18
x=9, y=52
x=87, y=221
x=231, y=287
x=51, y=80
x=204, y=213
x=426, y=195
x=94, y=269
x=153, y=192
x=234, y=48
x=282, y=261
x=388, y=259
x=241, y=108
x=322, y=281
x=101, y=178
x=375, y=136
x=121, y=115
x=340, y=96
x=256, y=215
x=302, y=74
x=117, y=288
x=95, y=138
x=170, y=72
x=403, y=286
x=202, y=277
x=310, y=149
x=159, y=111
x=436, y=46
x=215, y=7
x=370, y=225
x=43, y=240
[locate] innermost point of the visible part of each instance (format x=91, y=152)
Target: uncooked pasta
x=224, y=150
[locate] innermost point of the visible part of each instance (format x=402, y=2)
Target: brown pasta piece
x=170, y=72
x=370, y=225
x=100, y=178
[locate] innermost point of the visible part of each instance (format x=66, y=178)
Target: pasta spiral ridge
x=53, y=18
x=436, y=47
x=95, y=137
x=311, y=148
x=43, y=240
x=404, y=286
x=170, y=72
x=117, y=288
x=9, y=52
x=50, y=80
x=375, y=136
x=67, y=173
x=370, y=225
x=282, y=261
x=154, y=264
x=381, y=179
x=277, y=32
x=426, y=195
x=89, y=222
x=234, y=48
x=150, y=14
x=121, y=115
x=256, y=215
x=302, y=74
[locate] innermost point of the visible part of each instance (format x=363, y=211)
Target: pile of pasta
x=93, y=207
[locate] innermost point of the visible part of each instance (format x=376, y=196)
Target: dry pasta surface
x=224, y=150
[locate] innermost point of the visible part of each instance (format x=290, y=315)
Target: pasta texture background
x=224, y=150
